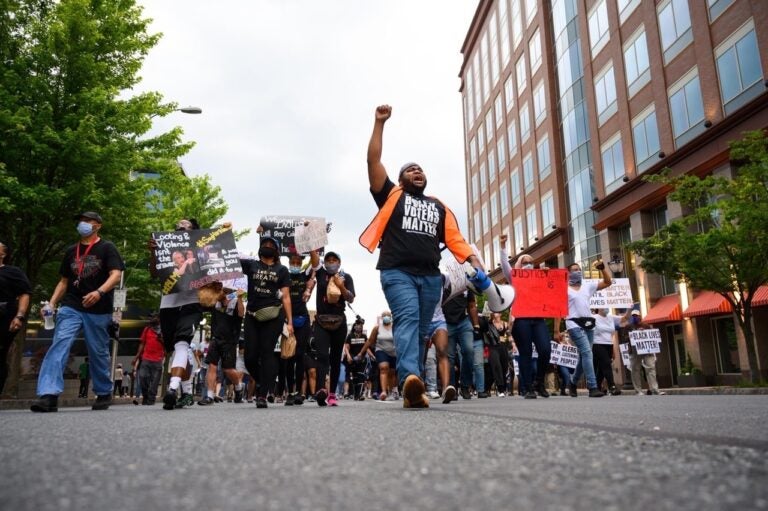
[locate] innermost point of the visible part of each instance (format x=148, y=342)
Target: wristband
x=21, y=318
x=101, y=293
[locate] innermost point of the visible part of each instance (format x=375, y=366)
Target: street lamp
x=615, y=264
x=191, y=110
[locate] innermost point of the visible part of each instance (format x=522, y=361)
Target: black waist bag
x=585, y=323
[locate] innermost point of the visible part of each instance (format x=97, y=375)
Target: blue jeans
x=528, y=332
x=471, y=356
x=69, y=322
x=431, y=369
x=412, y=300
x=583, y=341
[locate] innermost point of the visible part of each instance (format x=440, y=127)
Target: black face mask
x=268, y=252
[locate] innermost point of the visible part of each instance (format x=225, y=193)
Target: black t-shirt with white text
x=323, y=307
x=264, y=280
x=356, y=342
x=96, y=265
x=298, y=286
x=411, y=240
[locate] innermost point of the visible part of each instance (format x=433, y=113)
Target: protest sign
x=455, y=275
x=283, y=229
x=188, y=260
x=646, y=341
x=617, y=296
x=312, y=236
x=569, y=356
x=554, y=354
x=540, y=293
x=624, y=348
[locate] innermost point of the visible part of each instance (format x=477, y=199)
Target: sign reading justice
x=540, y=293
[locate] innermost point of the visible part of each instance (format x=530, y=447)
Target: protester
x=529, y=332
x=606, y=326
x=85, y=378
x=89, y=272
x=15, y=291
x=150, y=358
x=180, y=313
x=382, y=341
x=495, y=332
x=118, y=390
x=638, y=362
x=227, y=311
x=464, y=346
x=581, y=324
x=409, y=229
x=302, y=284
x=356, y=359
x=335, y=289
x=268, y=314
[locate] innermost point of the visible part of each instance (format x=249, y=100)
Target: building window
x=478, y=227
x=626, y=7
x=512, y=138
x=533, y=228
x=476, y=81
x=504, y=31
x=605, y=94
x=486, y=69
x=598, y=27
x=519, y=236
x=613, y=163
x=493, y=38
x=483, y=178
x=498, y=110
x=645, y=135
x=514, y=179
x=492, y=165
x=534, y=52
x=472, y=151
x=517, y=24
x=686, y=108
x=716, y=8
x=489, y=126
x=675, y=27
x=528, y=173
x=539, y=104
x=496, y=251
x=542, y=151
x=636, y=64
x=486, y=225
x=530, y=11
x=738, y=68
x=525, y=123
x=547, y=212
x=509, y=93
x=494, y=209
x=475, y=188
x=481, y=138
x=504, y=198
x=727, y=346
x=501, y=153
x=520, y=74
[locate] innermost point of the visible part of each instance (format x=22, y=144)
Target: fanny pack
x=300, y=321
x=585, y=323
x=331, y=322
x=266, y=313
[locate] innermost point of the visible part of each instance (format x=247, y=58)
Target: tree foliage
x=721, y=244
x=73, y=135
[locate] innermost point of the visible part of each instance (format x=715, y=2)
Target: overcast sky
x=288, y=91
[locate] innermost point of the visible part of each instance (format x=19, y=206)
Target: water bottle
x=48, y=316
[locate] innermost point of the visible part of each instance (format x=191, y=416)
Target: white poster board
x=617, y=296
x=455, y=275
x=554, y=353
x=624, y=349
x=646, y=341
x=565, y=354
x=312, y=236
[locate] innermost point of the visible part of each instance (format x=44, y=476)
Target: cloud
x=288, y=91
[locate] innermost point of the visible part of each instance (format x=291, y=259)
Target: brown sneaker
x=414, y=393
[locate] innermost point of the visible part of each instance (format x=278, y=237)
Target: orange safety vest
x=453, y=239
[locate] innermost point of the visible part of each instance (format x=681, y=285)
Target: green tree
x=721, y=244
x=70, y=136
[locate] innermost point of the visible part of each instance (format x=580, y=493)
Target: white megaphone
x=498, y=297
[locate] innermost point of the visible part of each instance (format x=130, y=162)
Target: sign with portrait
x=188, y=260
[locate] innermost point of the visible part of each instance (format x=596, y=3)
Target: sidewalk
x=24, y=404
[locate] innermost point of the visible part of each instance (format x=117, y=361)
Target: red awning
x=666, y=309
x=761, y=297
x=707, y=303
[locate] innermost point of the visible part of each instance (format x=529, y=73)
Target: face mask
x=84, y=228
x=295, y=270
x=635, y=320
x=528, y=266
x=574, y=278
x=268, y=252
x=332, y=268
x=386, y=320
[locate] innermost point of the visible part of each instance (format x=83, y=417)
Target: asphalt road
x=624, y=452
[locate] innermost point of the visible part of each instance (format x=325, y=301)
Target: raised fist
x=383, y=112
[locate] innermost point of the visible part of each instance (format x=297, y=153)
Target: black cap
x=270, y=238
x=331, y=254
x=91, y=215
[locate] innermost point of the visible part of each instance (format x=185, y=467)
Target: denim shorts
x=384, y=357
x=434, y=326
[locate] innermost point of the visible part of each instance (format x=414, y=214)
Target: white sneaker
x=501, y=394
x=433, y=394
x=641, y=393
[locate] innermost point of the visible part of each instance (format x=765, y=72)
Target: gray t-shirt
x=385, y=340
